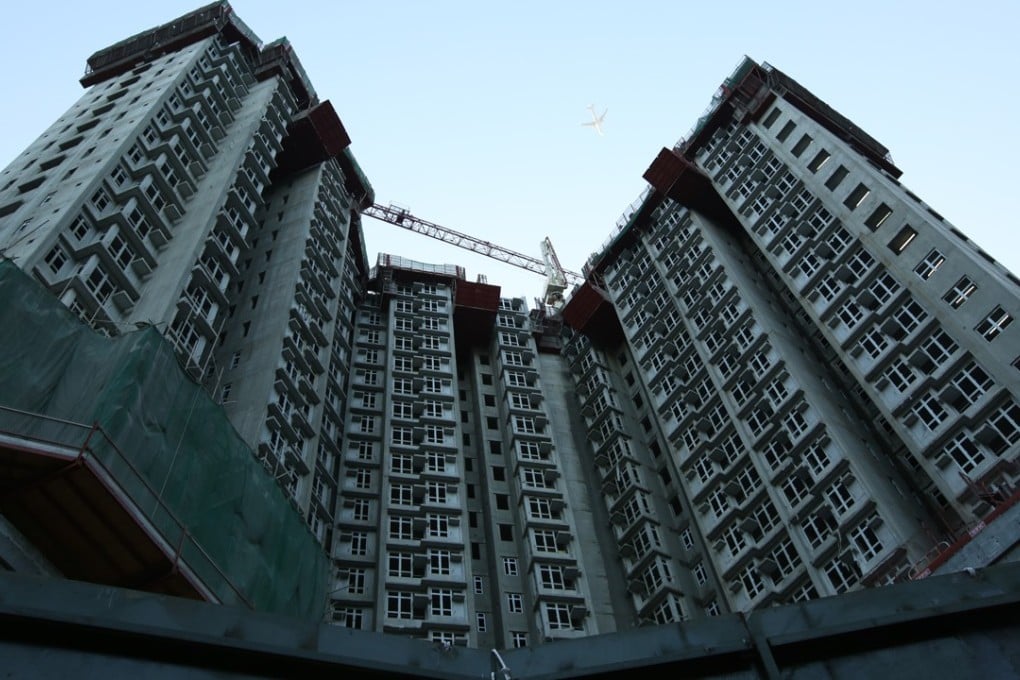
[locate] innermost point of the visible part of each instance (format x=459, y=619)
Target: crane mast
x=557, y=278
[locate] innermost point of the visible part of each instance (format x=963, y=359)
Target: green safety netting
x=162, y=427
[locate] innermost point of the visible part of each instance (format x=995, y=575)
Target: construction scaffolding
x=121, y=470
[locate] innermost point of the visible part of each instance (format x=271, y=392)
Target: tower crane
x=557, y=278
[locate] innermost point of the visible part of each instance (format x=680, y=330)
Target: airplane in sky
x=596, y=121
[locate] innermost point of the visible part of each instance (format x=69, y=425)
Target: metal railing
x=91, y=445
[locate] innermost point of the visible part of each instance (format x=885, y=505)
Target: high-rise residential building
x=815, y=370
x=199, y=185
x=785, y=376
x=464, y=510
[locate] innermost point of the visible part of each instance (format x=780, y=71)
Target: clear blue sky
x=469, y=113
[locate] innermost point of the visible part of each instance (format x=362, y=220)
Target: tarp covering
x=164, y=426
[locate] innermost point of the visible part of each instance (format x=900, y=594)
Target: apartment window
x=56, y=259
x=99, y=283
x=930, y=412
x=402, y=409
x=403, y=386
x=366, y=450
x=402, y=436
x=518, y=639
x=759, y=362
x=536, y=478
x=79, y=228
x=1002, y=428
x=752, y=582
x=878, y=217
x=817, y=458
x=840, y=497
x=818, y=527
x=525, y=425
x=960, y=292
x=836, y=178
x=841, y=575
x=510, y=339
x=785, y=557
x=434, y=385
x=801, y=146
x=973, y=383
x=786, y=131
x=480, y=622
x=545, y=540
x=873, y=342
x=349, y=617
x=518, y=400
x=356, y=581
x=795, y=488
x=993, y=324
x=686, y=539
x=734, y=539
x=431, y=343
x=964, y=452
x=539, y=508
x=510, y=566
x=557, y=616
x=100, y=200
x=439, y=562
x=910, y=316
x=804, y=593
x=435, y=461
x=435, y=491
x=865, y=539
x=939, y=347
x=401, y=464
x=479, y=585
x=930, y=264
x=820, y=159
x=401, y=494
x=776, y=451
x=433, y=409
x=399, y=605
x=359, y=543
x=551, y=576
x=856, y=196
x=435, y=434
x=515, y=603
x=700, y=575
x=360, y=510
x=884, y=288
x=529, y=450
x=656, y=575
x=771, y=118
x=439, y=526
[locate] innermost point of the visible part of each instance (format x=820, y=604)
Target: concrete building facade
x=805, y=352
x=199, y=185
x=785, y=377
